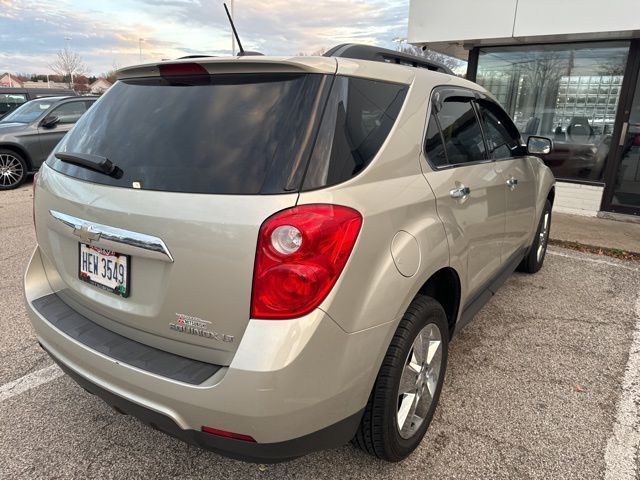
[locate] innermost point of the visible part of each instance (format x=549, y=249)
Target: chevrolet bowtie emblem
x=86, y=233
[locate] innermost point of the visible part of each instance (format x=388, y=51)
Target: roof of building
x=99, y=81
x=13, y=80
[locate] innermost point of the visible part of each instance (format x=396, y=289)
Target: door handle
x=460, y=192
x=512, y=183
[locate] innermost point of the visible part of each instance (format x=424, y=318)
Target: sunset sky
x=107, y=33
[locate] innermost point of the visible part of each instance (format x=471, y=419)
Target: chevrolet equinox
x=267, y=256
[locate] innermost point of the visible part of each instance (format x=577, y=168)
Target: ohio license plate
x=104, y=269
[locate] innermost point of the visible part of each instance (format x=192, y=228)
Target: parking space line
x=622, y=447
x=32, y=380
x=624, y=443
x=593, y=260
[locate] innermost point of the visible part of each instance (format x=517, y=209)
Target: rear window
x=226, y=134
x=235, y=134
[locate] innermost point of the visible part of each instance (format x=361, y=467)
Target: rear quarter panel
x=393, y=196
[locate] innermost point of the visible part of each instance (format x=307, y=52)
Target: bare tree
x=612, y=69
x=111, y=75
x=68, y=64
x=316, y=53
x=446, y=60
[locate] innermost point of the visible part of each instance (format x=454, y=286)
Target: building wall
x=450, y=26
x=437, y=21
x=561, y=17
x=578, y=199
x=45, y=84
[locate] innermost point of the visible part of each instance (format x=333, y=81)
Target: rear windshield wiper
x=92, y=162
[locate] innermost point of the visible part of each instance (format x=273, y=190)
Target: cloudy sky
x=107, y=33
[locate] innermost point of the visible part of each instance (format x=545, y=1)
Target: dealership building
x=564, y=69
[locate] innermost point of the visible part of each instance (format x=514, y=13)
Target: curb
x=598, y=250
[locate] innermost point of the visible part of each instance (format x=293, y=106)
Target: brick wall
x=578, y=199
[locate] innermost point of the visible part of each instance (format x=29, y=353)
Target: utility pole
x=233, y=38
x=140, y=40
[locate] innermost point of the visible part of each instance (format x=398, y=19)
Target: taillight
x=33, y=194
x=301, y=253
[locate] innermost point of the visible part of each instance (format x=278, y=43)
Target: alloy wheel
x=543, y=237
x=419, y=380
x=11, y=170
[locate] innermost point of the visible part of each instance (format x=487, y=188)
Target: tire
x=13, y=170
x=379, y=433
x=535, y=258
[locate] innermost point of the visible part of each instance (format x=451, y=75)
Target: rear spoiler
x=248, y=64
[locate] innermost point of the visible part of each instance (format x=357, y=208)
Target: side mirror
x=50, y=121
x=539, y=145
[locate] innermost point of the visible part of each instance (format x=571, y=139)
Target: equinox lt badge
x=197, y=326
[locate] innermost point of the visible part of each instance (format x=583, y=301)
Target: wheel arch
x=551, y=195
x=20, y=151
x=444, y=286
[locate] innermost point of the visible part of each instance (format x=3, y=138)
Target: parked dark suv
x=11, y=98
x=29, y=133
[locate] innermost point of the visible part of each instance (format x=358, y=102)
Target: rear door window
x=461, y=131
x=221, y=134
x=357, y=120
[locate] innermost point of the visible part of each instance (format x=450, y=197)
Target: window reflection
x=626, y=190
x=567, y=93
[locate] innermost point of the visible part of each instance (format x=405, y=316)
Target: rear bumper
x=328, y=437
x=294, y=386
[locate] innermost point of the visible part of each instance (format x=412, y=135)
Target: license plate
x=104, y=269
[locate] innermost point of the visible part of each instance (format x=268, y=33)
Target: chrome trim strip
x=110, y=238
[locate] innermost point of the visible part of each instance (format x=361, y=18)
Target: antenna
x=235, y=33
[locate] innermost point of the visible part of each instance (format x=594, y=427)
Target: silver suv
x=269, y=256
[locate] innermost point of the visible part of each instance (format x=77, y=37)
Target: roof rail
x=377, y=54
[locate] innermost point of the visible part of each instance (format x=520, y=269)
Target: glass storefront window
x=568, y=93
x=626, y=190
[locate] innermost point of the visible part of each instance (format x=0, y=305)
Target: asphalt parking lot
x=536, y=388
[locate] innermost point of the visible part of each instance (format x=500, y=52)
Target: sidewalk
x=596, y=232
